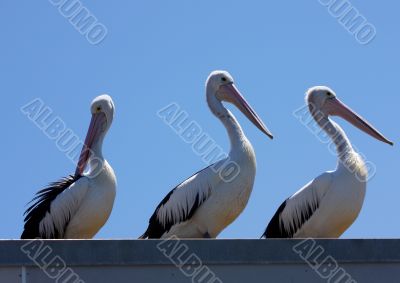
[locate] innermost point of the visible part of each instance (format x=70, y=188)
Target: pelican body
x=327, y=206
x=76, y=207
x=206, y=203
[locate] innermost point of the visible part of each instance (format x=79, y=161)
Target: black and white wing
x=53, y=208
x=298, y=209
x=179, y=205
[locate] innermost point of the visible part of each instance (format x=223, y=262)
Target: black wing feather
x=41, y=205
x=156, y=229
x=276, y=229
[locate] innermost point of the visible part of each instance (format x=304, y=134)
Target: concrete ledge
x=138, y=252
x=232, y=260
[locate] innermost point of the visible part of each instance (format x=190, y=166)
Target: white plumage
x=63, y=208
x=309, y=196
x=206, y=203
x=184, y=197
x=78, y=206
x=328, y=205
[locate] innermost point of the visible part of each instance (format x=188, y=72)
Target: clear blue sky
x=158, y=52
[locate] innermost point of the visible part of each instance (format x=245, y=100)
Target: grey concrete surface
x=204, y=261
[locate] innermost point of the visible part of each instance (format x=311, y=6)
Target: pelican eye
x=223, y=79
x=98, y=108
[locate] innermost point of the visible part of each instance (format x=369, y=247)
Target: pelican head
x=102, y=109
x=222, y=87
x=103, y=105
x=322, y=99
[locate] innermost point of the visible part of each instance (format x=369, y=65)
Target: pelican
x=327, y=206
x=76, y=207
x=204, y=204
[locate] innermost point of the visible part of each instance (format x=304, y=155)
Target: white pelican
x=76, y=207
x=203, y=205
x=329, y=204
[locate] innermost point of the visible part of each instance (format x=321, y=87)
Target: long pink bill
x=95, y=128
x=338, y=108
x=239, y=101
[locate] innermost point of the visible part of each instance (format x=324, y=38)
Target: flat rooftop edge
x=217, y=252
